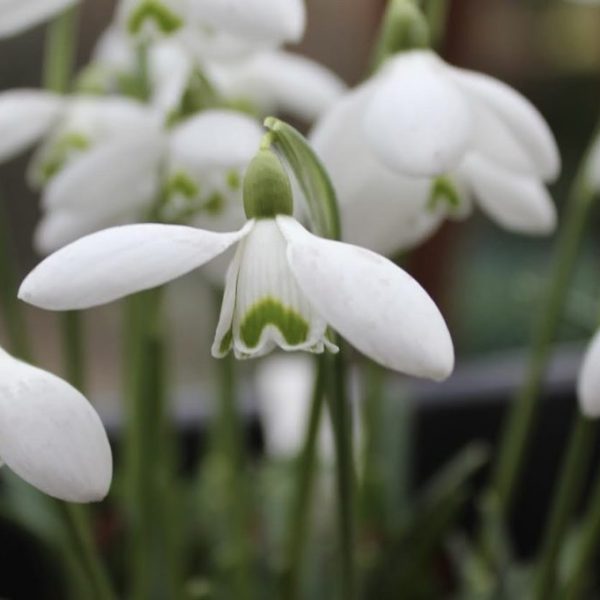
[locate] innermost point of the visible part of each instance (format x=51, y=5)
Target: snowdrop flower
x=588, y=382
x=283, y=288
x=17, y=16
x=421, y=136
x=50, y=435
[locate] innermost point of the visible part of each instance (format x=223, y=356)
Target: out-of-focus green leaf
x=311, y=175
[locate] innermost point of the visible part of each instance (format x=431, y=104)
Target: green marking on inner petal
x=226, y=342
x=153, y=10
x=270, y=311
x=182, y=183
x=443, y=191
x=233, y=179
x=60, y=153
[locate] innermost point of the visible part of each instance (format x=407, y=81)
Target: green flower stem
x=298, y=525
x=149, y=455
x=12, y=308
x=58, y=67
x=437, y=12
x=73, y=348
x=522, y=412
x=585, y=551
x=341, y=417
x=573, y=473
x=80, y=541
x=59, y=55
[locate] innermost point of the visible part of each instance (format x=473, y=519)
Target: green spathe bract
x=267, y=189
x=270, y=311
x=153, y=10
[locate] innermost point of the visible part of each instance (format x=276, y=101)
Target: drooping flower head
x=284, y=287
x=423, y=138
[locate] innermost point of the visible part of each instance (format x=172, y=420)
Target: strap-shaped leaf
x=311, y=175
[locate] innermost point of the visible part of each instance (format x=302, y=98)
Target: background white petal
x=593, y=165
x=418, y=121
x=588, y=381
x=170, y=70
x=273, y=21
x=25, y=116
x=17, y=16
x=516, y=202
x=281, y=81
x=50, y=435
x=375, y=305
x=119, y=261
x=518, y=114
x=215, y=138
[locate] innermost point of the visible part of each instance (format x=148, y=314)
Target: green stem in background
x=298, y=524
x=568, y=492
x=521, y=418
x=11, y=306
x=59, y=55
x=586, y=549
x=76, y=523
x=154, y=571
x=58, y=68
x=73, y=348
x=341, y=418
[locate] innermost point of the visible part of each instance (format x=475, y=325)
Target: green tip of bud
x=267, y=188
x=153, y=10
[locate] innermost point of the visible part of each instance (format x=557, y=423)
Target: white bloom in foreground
x=588, y=382
x=50, y=435
x=283, y=288
x=17, y=16
x=422, y=133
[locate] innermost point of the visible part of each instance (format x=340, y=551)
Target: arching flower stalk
x=424, y=140
x=284, y=286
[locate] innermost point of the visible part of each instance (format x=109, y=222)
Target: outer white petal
x=588, y=381
x=418, y=121
x=20, y=15
x=50, y=435
x=380, y=209
x=519, y=115
x=112, y=177
x=215, y=138
x=114, y=51
x=261, y=20
x=281, y=81
x=119, y=261
x=25, y=116
x=374, y=304
x=517, y=202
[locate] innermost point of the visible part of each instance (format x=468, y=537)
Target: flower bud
x=267, y=188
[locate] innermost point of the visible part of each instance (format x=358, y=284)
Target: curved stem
x=341, y=417
x=521, y=417
x=568, y=492
x=59, y=54
x=586, y=549
x=298, y=524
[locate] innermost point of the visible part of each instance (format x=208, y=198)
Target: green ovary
x=269, y=311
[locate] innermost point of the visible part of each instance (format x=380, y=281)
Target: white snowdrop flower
x=278, y=82
x=16, y=16
x=421, y=135
x=283, y=288
x=588, y=382
x=50, y=435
